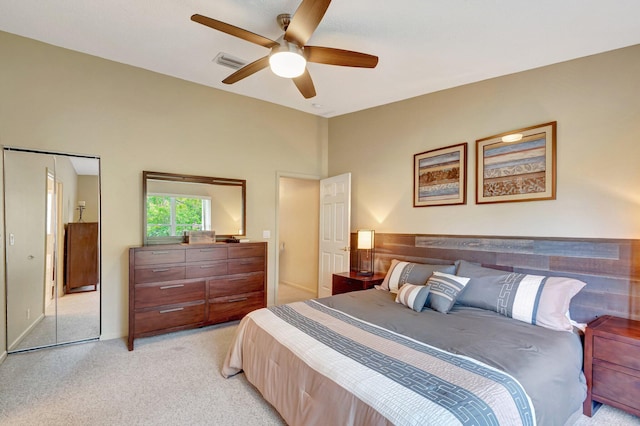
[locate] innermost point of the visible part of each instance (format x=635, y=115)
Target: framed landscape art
x=519, y=165
x=440, y=176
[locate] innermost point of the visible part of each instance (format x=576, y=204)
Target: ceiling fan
x=289, y=53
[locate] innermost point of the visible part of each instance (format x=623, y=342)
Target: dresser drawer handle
x=208, y=266
x=159, y=252
x=236, y=279
x=239, y=299
x=166, y=311
x=207, y=250
x=166, y=287
x=160, y=270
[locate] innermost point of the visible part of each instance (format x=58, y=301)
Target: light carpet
x=172, y=379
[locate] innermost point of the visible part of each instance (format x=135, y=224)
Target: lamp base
x=365, y=273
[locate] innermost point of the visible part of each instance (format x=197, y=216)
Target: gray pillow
x=444, y=289
x=413, y=296
x=534, y=299
x=475, y=293
x=401, y=272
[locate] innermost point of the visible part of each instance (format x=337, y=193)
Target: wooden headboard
x=610, y=267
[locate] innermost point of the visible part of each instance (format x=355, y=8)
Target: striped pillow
x=444, y=289
x=534, y=299
x=416, y=273
x=413, y=296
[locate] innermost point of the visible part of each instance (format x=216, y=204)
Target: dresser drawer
x=208, y=253
x=206, y=269
x=236, y=284
x=242, y=250
x=169, y=316
x=159, y=273
x=170, y=293
x=616, y=352
x=241, y=266
x=234, y=307
x=156, y=257
x=616, y=383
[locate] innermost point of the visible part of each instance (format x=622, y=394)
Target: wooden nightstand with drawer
x=350, y=281
x=612, y=364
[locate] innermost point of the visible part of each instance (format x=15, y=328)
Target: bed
x=362, y=358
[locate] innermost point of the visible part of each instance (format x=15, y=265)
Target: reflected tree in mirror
x=171, y=216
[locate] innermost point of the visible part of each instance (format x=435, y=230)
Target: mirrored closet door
x=52, y=241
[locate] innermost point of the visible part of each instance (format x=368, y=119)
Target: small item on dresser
x=232, y=240
x=201, y=237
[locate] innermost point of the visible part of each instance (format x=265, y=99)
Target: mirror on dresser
x=52, y=246
x=176, y=203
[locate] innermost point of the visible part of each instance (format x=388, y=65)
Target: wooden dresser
x=81, y=270
x=181, y=286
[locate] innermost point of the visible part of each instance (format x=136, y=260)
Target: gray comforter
x=547, y=363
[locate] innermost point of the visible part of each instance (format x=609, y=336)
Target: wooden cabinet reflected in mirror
x=51, y=298
x=174, y=204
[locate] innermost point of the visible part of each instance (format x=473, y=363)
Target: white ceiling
x=85, y=166
x=423, y=45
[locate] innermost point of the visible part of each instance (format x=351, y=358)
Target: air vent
x=229, y=61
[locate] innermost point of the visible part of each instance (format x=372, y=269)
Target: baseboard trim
x=299, y=287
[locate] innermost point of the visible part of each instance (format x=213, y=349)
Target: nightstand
x=351, y=281
x=612, y=364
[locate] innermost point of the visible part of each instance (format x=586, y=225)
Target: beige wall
x=135, y=120
x=596, y=102
x=298, y=229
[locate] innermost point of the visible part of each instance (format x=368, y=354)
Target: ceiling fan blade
x=305, y=85
x=247, y=70
x=305, y=21
x=234, y=31
x=345, y=58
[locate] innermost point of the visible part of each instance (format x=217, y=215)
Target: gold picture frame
x=440, y=176
x=519, y=165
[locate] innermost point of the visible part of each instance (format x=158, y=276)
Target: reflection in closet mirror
x=52, y=246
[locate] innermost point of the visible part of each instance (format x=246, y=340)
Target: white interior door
x=335, y=225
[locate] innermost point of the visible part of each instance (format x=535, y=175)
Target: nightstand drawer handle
x=166, y=311
x=160, y=270
x=239, y=299
x=166, y=287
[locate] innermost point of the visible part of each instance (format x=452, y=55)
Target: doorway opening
x=298, y=218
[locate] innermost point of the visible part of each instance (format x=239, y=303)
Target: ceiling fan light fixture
x=286, y=60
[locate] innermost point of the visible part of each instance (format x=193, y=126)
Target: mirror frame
x=174, y=177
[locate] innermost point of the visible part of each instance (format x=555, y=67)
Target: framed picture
x=519, y=165
x=440, y=176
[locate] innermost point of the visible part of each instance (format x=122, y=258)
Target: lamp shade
x=366, y=239
x=287, y=60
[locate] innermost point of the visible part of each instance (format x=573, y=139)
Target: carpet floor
x=172, y=379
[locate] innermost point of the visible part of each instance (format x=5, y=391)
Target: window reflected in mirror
x=176, y=204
